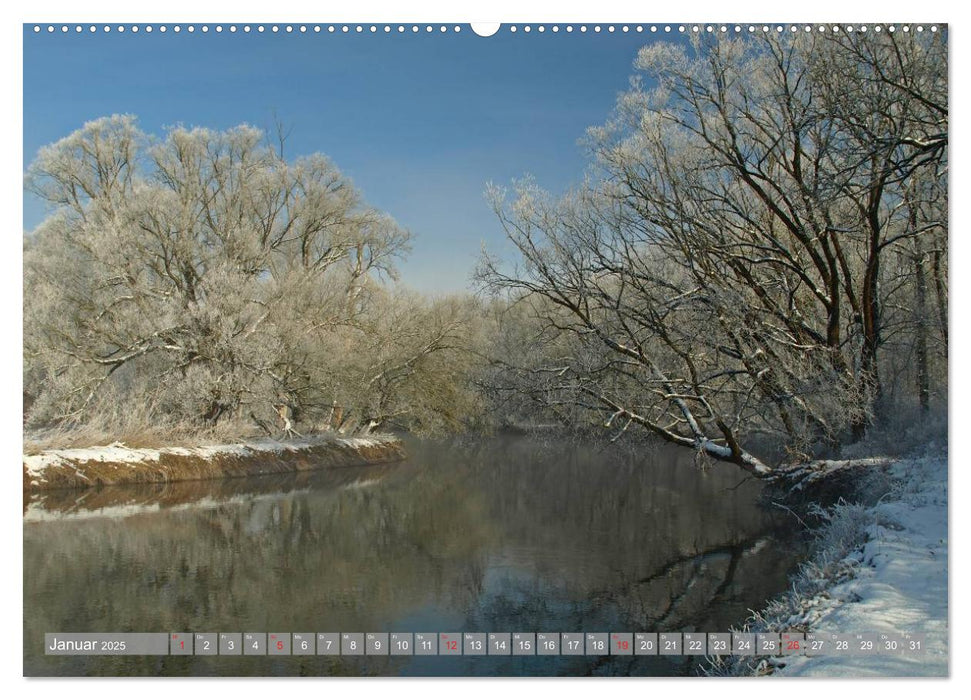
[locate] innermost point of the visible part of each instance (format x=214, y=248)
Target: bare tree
x=722, y=274
x=411, y=364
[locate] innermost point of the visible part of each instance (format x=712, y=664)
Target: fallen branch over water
x=118, y=464
x=801, y=476
x=825, y=481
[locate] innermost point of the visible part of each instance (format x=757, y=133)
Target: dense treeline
x=204, y=281
x=759, y=250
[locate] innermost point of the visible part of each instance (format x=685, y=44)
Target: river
x=509, y=534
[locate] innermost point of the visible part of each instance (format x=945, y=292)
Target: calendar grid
x=494, y=644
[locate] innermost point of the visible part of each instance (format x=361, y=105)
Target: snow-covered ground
x=878, y=569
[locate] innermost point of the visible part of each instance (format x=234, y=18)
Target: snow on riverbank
x=118, y=453
x=876, y=569
x=117, y=463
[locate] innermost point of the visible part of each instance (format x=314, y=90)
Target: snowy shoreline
x=119, y=464
x=874, y=569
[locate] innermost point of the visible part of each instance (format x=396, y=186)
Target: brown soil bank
x=117, y=464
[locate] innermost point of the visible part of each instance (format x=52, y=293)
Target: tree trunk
x=941, y=290
x=920, y=330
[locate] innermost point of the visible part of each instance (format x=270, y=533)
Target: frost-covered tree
x=727, y=270
x=202, y=278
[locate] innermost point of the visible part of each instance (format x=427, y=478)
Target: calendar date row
x=484, y=644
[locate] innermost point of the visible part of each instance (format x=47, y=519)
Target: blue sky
x=420, y=122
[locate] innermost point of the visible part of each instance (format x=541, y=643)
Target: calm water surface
x=506, y=535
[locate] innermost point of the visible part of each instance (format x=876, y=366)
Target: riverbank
x=878, y=569
x=119, y=464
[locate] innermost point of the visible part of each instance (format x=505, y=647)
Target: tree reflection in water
x=508, y=534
